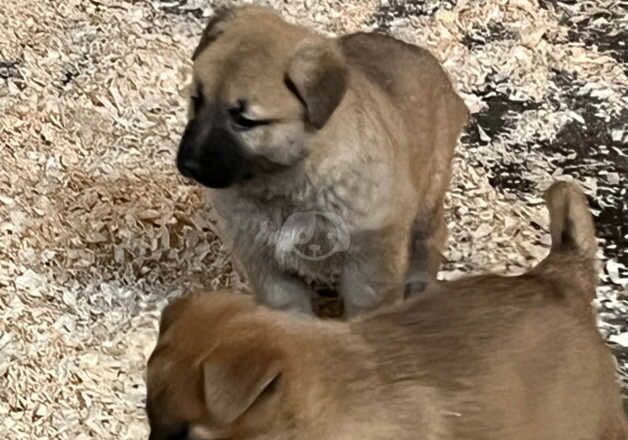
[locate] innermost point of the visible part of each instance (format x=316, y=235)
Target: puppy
x=486, y=357
x=328, y=159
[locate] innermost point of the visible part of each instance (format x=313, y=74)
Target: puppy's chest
x=310, y=244
x=304, y=239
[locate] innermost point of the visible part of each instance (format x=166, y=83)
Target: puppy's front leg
x=373, y=276
x=279, y=290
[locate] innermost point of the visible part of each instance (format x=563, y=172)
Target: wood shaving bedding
x=99, y=232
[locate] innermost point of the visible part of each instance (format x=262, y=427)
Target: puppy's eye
x=242, y=122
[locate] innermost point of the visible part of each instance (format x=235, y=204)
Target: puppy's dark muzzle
x=190, y=148
x=212, y=156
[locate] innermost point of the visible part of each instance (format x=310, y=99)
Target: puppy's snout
x=188, y=168
x=212, y=155
x=188, y=156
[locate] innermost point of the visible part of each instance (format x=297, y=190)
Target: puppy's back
x=381, y=57
x=518, y=357
x=411, y=75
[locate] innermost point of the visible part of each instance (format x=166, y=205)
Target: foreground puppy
x=329, y=158
x=486, y=357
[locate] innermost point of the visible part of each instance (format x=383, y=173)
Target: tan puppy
x=328, y=158
x=486, y=357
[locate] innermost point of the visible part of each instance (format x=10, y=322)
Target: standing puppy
x=482, y=358
x=328, y=159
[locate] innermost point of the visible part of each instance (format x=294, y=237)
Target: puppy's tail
x=571, y=223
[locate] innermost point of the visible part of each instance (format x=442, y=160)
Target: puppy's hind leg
x=374, y=272
x=425, y=254
x=429, y=233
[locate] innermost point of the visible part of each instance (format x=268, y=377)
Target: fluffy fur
x=361, y=128
x=486, y=357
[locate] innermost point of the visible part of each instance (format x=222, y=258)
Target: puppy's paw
x=416, y=283
x=284, y=293
x=414, y=288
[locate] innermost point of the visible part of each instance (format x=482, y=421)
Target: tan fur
x=364, y=128
x=486, y=357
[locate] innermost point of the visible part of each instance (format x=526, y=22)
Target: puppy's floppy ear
x=170, y=313
x=214, y=28
x=235, y=376
x=317, y=74
x=173, y=311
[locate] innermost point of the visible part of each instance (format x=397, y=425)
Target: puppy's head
x=218, y=372
x=261, y=88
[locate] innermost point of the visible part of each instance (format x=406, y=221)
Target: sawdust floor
x=98, y=231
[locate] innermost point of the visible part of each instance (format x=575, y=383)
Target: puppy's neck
x=286, y=183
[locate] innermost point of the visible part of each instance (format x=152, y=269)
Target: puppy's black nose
x=190, y=148
x=188, y=168
x=188, y=163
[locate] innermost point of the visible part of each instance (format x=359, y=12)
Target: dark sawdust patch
x=396, y=9
x=509, y=176
x=547, y=4
x=179, y=7
x=69, y=75
x=607, y=30
x=499, y=115
x=586, y=148
x=9, y=71
x=479, y=36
